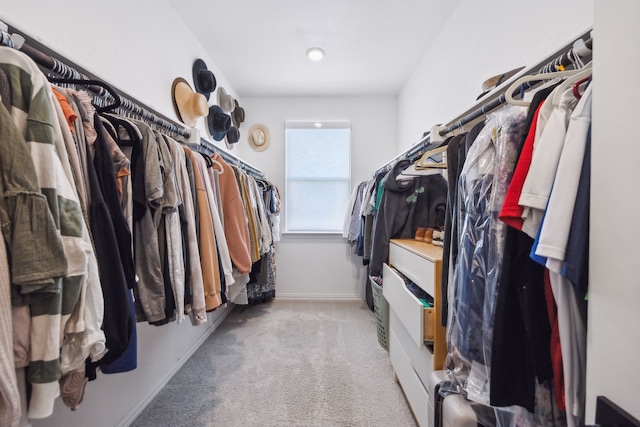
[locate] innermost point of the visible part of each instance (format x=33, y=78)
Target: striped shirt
x=32, y=115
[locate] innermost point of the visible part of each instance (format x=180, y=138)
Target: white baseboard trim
x=144, y=401
x=301, y=296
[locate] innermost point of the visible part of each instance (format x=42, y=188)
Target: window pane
x=317, y=205
x=315, y=153
x=318, y=176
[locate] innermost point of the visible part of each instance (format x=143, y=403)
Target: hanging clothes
x=530, y=355
x=547, y=149
x=117, y=322
x=236, y=231
x=552, y=243
x=85, y=336
x=405, y=206
x=147, y=196
x=482, y=185
x=235, y=222
x=123, y=259
x=212, y=186
x=522, y=333
x=455, y=159
x=122, y=210
x=57, y=294
x=352, y=227
x=261, y=286
x=10, y=409
x=197, y=309
x=208, y=251
x=168, y=241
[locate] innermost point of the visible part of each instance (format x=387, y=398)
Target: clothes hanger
x=423, y=161
x=207, y=159
x=579, y=75
x=119, y=122
x=576, y=87
x=217, y=163
x=84, y=82
x=110, y=129
x=515, y=86
x=412, y=172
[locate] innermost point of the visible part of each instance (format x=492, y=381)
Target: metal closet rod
x=561, y=57
x=493, y=100
x=209, y=149
x=63, y=68
x=51, y=60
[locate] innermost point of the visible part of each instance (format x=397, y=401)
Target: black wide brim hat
x=218, y=123
x=204, y=81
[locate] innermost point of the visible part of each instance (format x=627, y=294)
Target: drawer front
x=407, y=307
x=411, y=385
x=421, y=358
x=429, y=324
x=421, y=271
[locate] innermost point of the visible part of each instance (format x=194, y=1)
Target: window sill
x=312, y=234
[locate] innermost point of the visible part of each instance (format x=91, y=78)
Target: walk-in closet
x=409, y=214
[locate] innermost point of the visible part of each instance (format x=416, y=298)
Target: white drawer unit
x=411, y=259
x=418, y=342
x=411, y=384
x=410, y=311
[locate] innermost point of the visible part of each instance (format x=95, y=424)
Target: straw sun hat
x=189, y=105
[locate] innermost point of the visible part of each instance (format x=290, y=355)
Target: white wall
x=482, y=39
x=321, y=266
x=139, y=46
x=613, y=342
x=120, y=42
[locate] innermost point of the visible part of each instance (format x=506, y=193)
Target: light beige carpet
x=286, y=364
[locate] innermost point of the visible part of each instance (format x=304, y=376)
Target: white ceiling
x=372, y=46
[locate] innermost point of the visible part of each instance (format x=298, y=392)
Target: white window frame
x=315, y=124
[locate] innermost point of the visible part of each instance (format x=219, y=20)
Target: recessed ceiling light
x=315, y=54
x=318, y=124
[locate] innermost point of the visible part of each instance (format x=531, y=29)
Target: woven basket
x=381, y=308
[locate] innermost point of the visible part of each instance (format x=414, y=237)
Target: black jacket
x=405, y=206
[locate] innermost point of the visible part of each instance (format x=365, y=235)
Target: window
x=318, y=176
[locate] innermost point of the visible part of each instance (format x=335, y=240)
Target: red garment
x=511, y=213
x=556, y=350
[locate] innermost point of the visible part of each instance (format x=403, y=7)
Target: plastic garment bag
x=474, y=285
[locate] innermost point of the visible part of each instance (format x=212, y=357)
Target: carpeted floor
x=286, y=364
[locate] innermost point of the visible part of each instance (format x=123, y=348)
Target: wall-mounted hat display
x=259, y=137
x=203, y=79
x=232, y=137
x=225, y=101
x=237, y=115
x=218, y=123
x=189, y=105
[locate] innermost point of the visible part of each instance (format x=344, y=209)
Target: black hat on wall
x=232, y=137
x=203, y=79
x=237, y=115
x=218, y=123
